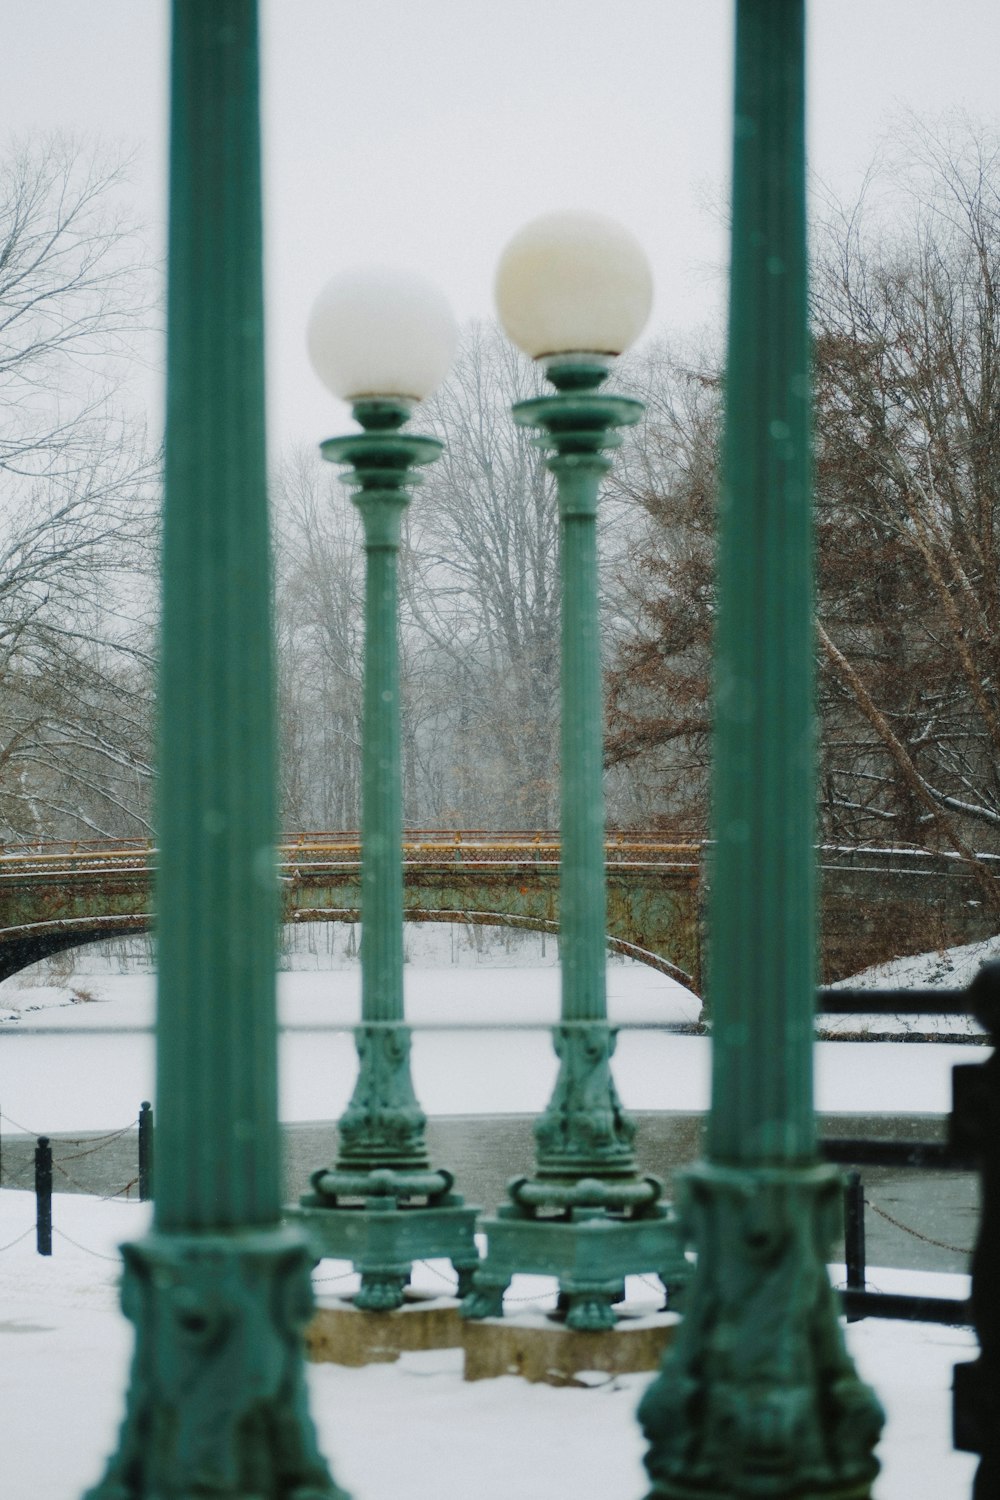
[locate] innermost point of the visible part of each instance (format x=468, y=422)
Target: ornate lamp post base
x=586, y=1216
x=758, y=1396
x=227, y=1311
x=589, y=1236
x=382, y=1232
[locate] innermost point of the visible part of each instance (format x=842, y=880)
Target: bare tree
x=907, y=316
x=906, y=291
x=320, y=614
x=482, y=595
x=658, y=677
x=78, y=503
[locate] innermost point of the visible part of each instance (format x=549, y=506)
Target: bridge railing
x=461, y=846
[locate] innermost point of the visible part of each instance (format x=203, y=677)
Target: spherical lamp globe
x=573, y=283
x=381, y=334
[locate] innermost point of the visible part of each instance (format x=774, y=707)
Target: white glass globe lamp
x=381, y=334
x=573, y=283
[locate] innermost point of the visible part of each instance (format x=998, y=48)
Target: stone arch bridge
x=876, y=904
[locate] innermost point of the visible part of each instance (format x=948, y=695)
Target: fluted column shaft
x=761, y=913
x=381, y=782
x=217, y=1148
x=582, y=891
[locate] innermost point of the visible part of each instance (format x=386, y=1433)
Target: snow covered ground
x=64, y=1346
x=64, y=1351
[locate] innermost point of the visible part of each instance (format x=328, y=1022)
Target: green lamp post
x=758, y=1396
x=219, y=1291
x=384, y=340
x=573, y=291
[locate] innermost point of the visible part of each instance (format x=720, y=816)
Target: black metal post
x=145, y=1151
x=43, y=1195
x=975, y=1125
x=854, y=1233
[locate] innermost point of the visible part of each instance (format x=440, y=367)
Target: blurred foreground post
x=758, y=1396
x=219, y=1292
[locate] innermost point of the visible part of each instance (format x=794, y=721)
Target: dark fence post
x=854, y=1232
x=975, y=1127
x=145, y=1151
x=43, y=1195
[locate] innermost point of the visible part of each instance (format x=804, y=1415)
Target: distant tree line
x=79, y=495
x=906, y=318
x=906, y=321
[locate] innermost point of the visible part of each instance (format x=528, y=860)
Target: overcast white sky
x=424, y=132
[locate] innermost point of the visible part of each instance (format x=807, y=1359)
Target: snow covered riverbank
x=69, y=1064
x=65, y=1347
x=82, y=1061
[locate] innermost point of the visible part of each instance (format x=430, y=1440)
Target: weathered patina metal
x=382, y=1205
x=758, y=1396
x=219, y=1291
x=586, y=1216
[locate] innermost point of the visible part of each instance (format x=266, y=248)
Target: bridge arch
x=21, y=948
x=875, y=904
x=56, y=897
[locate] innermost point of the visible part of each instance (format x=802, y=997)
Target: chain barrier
x=114, y=1259
x=18, y=1126
x=102, y=1141
x=93, y=1144
x=69, y=1140
x=12, y=1179
x=450, y=1281
x=110, y=1197
x=908, y=1229
x=11, y=1243
x=541, y=1297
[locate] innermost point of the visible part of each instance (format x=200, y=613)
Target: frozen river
x=69, y=1064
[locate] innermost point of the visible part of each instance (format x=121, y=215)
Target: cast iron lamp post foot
x=382, y=1205
x=227, y=1312
x=759, y=1396
x=586, y=1215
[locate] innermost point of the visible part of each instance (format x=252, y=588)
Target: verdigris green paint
x=382, y=1206
x=586, y=1216
x=219, y=1292
x=758, y=1397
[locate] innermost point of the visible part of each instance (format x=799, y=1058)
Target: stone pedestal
x=342, y=1334
x=540, y=1348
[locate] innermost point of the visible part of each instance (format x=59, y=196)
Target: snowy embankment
x=85, y=1065
x=64, y=1351
x=66, y=1064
